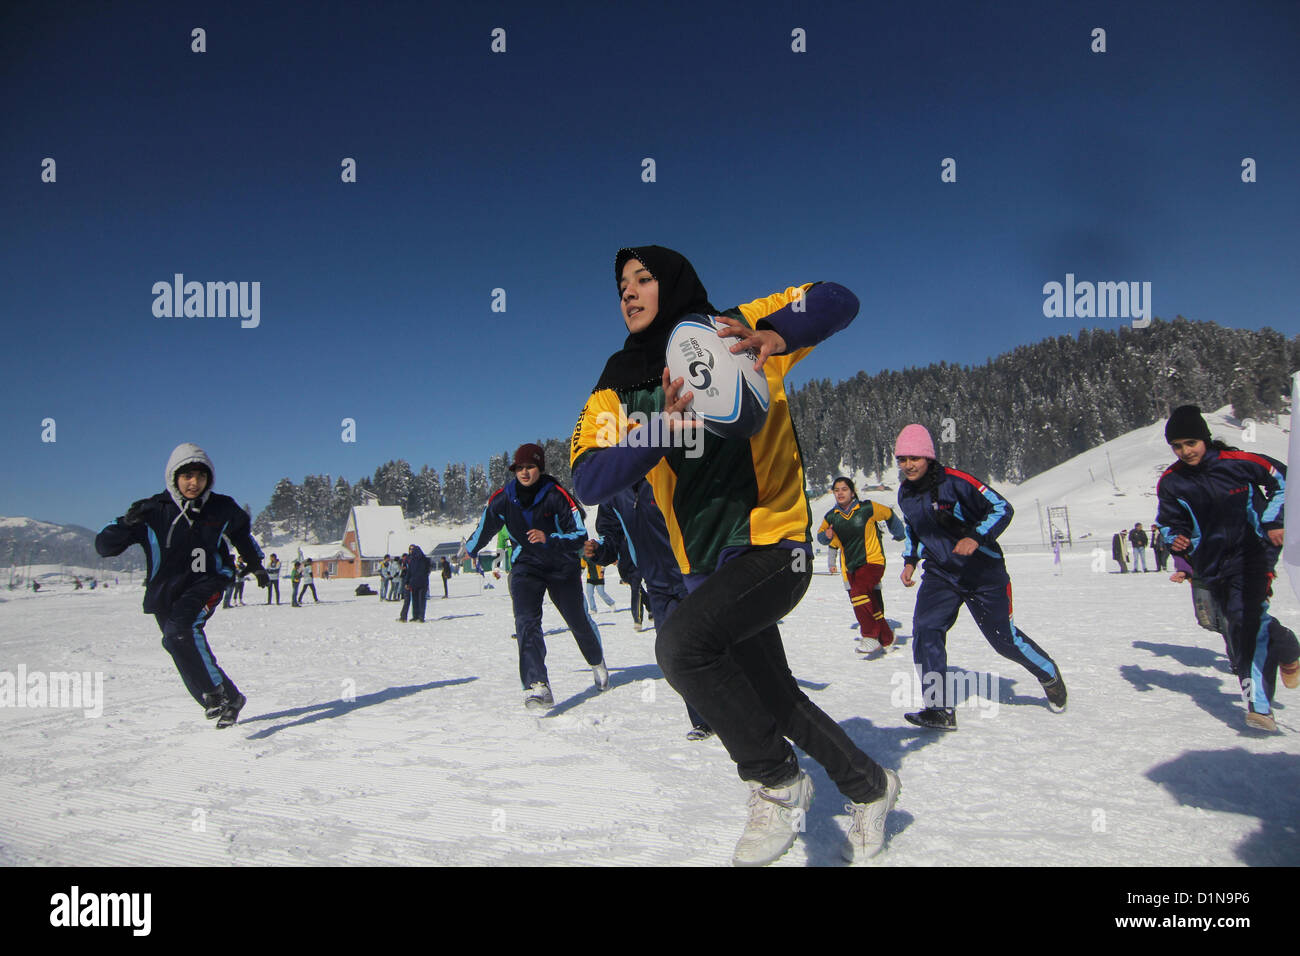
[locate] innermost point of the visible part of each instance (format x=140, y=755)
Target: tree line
x=1011, y=418
x=317, y=508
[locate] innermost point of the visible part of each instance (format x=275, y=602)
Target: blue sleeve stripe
x=1274, y=509
x=997, y=514
x=631, y=548
x=155, y=557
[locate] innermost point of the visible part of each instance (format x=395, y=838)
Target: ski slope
x=366, y=741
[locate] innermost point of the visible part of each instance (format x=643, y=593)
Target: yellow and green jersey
x=724, y=493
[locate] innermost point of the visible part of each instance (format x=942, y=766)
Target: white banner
x=1291, y=544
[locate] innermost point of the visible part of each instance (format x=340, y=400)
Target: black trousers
x=721, y=650
x=184, y=639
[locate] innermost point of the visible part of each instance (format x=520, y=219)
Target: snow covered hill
x=1105, y=489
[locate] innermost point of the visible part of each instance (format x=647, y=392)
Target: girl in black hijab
x=738, y=520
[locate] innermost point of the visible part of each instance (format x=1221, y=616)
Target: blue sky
x=522, y=171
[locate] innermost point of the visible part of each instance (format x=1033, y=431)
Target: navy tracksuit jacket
x=631, y=519
x=945, y=506
x=1218, y=506
x=181, y=598
x=537, y=569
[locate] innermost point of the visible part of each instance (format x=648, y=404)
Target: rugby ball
x=730, y=398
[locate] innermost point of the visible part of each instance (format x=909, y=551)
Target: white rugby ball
x=730, y=397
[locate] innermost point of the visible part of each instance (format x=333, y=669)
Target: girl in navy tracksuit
x=183, y=532
x=1222, y=511
x=953, y=521
x=550, y=529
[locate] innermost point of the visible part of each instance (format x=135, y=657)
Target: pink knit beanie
x=914, y=442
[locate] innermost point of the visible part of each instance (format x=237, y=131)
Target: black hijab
x=641, y=360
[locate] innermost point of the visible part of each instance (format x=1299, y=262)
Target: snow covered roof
x=383, y=529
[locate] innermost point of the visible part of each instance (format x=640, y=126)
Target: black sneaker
x=699, y=733
x=230, y=713
x=1055, y=691
x=214, y=704
x=934, y=718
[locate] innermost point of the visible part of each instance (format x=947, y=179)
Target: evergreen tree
x=478, y=488
x=455, y=492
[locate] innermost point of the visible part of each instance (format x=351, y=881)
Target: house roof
x=383, y=529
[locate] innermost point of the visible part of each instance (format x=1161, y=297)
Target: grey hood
x=187, y=453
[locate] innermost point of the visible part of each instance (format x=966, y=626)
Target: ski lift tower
x=1058, y=524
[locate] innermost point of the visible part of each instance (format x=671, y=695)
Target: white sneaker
x=538, y=696
x=776, y=817
x=601, y=673
x=867, y=832
x=868, y=645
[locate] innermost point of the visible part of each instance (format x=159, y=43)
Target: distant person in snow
x=1119, y=551
x=444, y=570
x=1138, y=539
x=241, y=571
x=308, y=581
x=1159, y=548
x=852, y=525
x=295, y=578
x=1222, y=510
x=595, y=584
x=183, y=532
x=273, y=574
x=953, y=521
x=417, y=583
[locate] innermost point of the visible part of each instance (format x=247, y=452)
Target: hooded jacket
x=185, y=542
x=417, y=566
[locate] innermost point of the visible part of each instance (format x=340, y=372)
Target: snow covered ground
x=366, y=741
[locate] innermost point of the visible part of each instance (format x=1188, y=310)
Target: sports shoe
x=1055, y=691
x=776, y=817
x=214, y=704
x=538, y=696
x=699, y=733
x=868, y=645
x=1290, y=674
x=601, y=675
x=1260, y=721
x=230, y=713
x=867, y=831
x=934, y=718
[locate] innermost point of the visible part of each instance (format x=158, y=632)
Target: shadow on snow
x=338, y=708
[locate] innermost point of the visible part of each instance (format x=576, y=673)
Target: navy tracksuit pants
x=184, y=639
x=1256, y=642
x=528, y=583
x=988, y=598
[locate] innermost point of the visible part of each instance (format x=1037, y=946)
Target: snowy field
x=366, y=741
